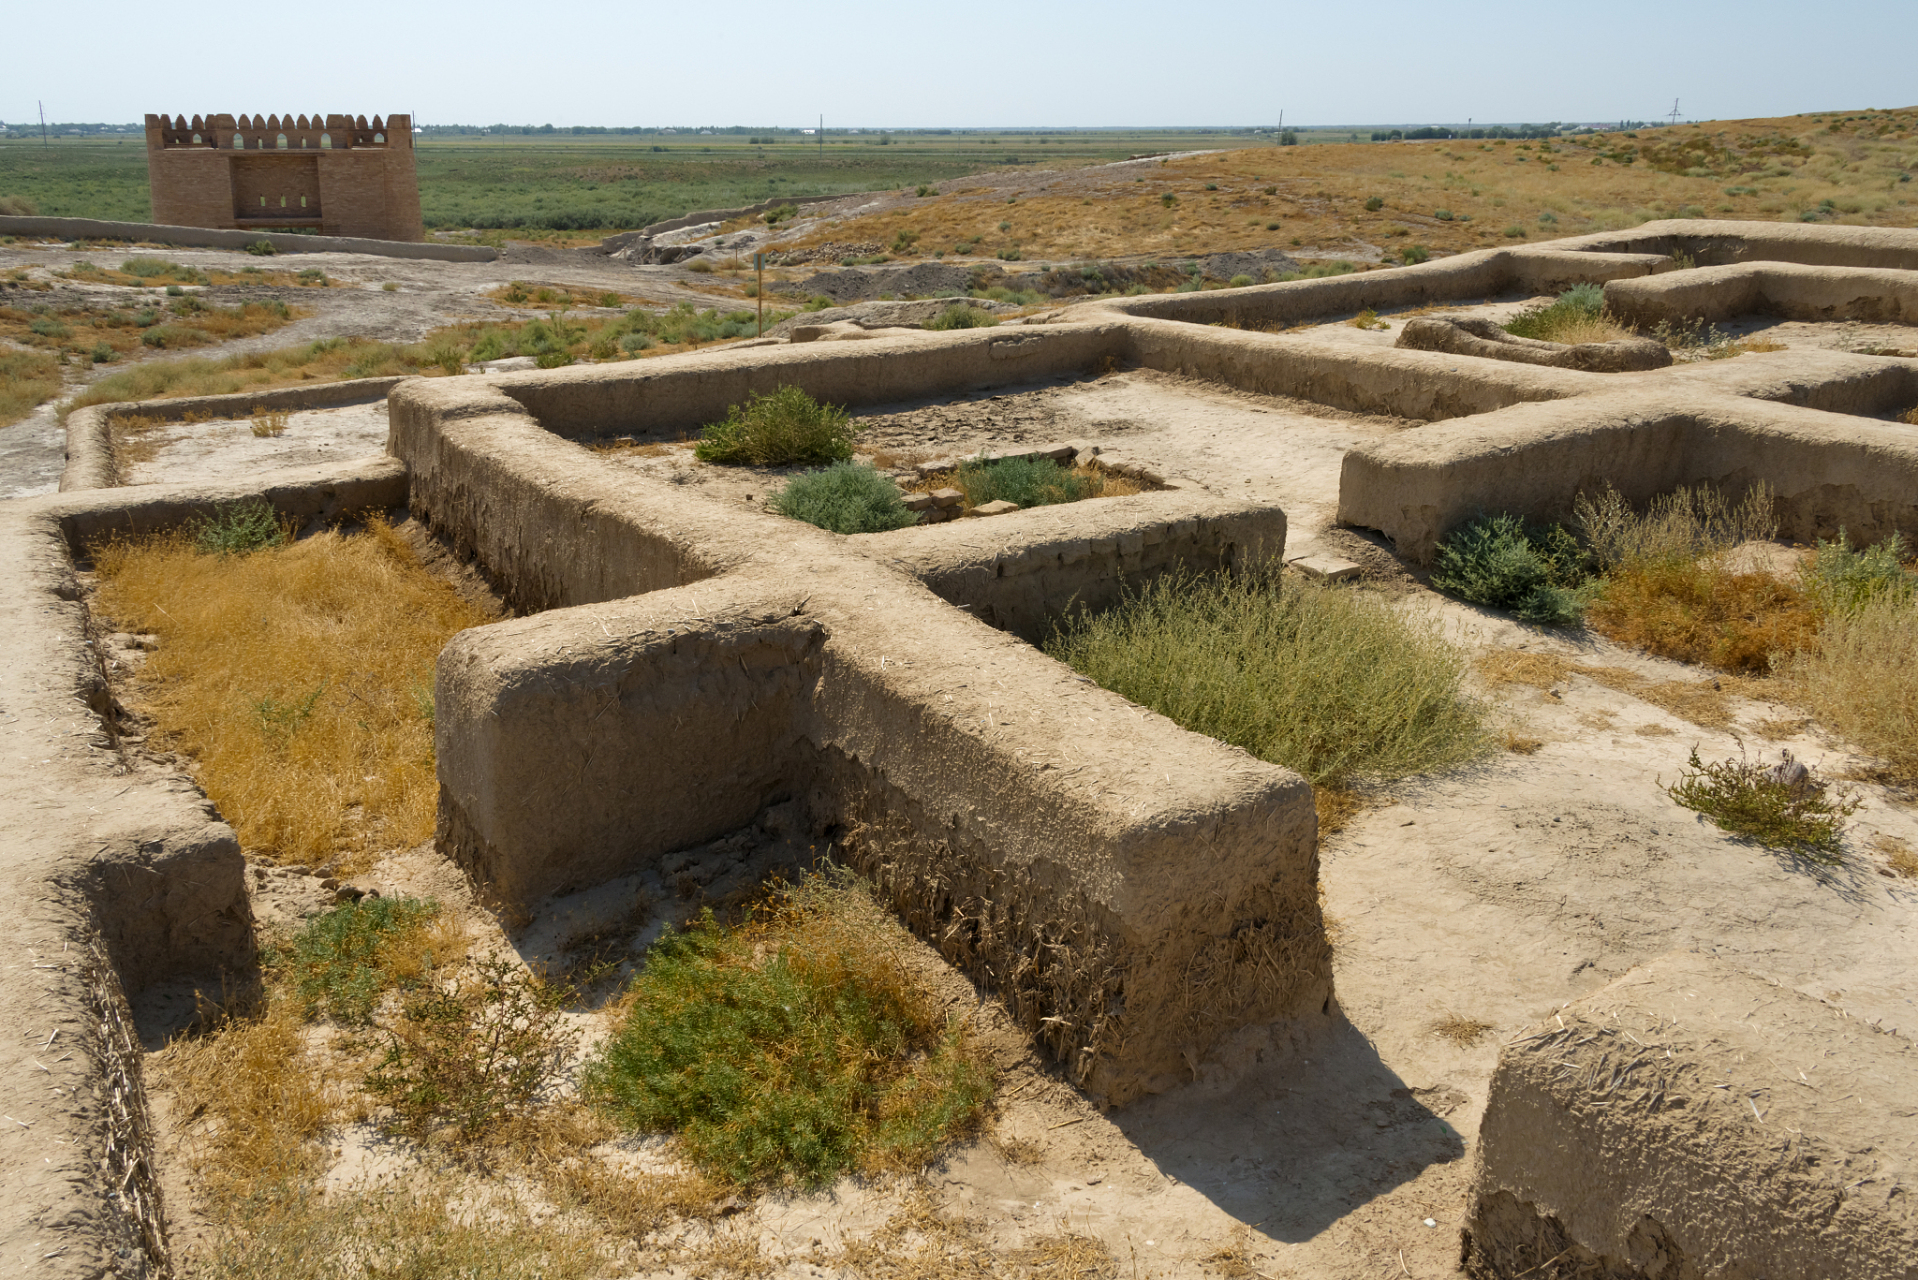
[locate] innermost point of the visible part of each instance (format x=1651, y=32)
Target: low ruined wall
x=1783, y=289
x=1533, y=460
x=212, y=238
x=90, y=460
x=1422, y=385
x=1719, y=241
x=1022, y=572
x=668, y=395
x=1690, y=1119
x=1137, y=892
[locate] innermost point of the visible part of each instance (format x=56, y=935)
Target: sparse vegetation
x=287, y=675
x=471, y=1050
x=269, y=423
x=1332, y=682
x=793, y=1047
x=341, y=962
x=1578, y=315
x=784, y=428
x=961, y=316
x=237, y=529
x=847, y=497
x=28, y=379
x=1781, y=806
x=1858, y=678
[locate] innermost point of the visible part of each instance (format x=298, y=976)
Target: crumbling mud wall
x=1137, y=892
x=1787, y=290
x=1828, y=472
x=1690, y=1119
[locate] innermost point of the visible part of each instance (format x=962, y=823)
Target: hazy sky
x=981, y=63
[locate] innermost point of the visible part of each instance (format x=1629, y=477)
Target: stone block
x=998, y=508
x=947, y=497
x=916, y=501
x=1326, y=568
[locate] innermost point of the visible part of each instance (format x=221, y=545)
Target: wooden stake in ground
x=759, y=291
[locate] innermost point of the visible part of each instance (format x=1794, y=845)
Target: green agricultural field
x=540, y=185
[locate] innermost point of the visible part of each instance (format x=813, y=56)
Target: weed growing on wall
x=1780, y=806
x=781, y=429
x=960, y=316
x=792, y=1048
x=1534, y=571
x=847, y=497
x=238, y=528
x=1331, y=682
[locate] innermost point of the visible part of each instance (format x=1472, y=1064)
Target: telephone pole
x=1674, y=113
x=43, y=123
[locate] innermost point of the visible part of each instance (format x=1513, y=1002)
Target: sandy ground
x=181, y=452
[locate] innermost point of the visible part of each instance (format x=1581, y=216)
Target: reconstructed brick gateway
x=1134, y=892
x=335, y=176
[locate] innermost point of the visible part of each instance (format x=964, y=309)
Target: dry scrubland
x=1446, y=196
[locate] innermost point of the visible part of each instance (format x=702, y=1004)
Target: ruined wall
x=337, y=176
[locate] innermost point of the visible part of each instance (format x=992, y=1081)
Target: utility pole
x=1674, y=113
x=43, y=123
x=822, y=135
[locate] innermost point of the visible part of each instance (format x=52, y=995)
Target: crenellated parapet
x=338, y=174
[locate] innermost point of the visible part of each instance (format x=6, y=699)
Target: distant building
x=340, y=177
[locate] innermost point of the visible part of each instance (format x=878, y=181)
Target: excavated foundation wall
x=1134, y=891
x=1828, y=473
x=1694, y=1120
x=117, y=875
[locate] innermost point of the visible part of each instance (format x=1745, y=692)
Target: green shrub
x=1443, y=215
x=1412, y=254
x=1749, y=799
x=1572, y=317
x=235, y=529
x=847, y=497
x=1533, y=572
x=337, y=964
x=1026, y=482
x=1331, y=682
x=1844, y=580
x=961, y=316
x=791, y=1050
x=1373, y=204
x=262, y=249
x=472, y=1050
x=1241, y=281
x=778, y=430
x=1515, y=232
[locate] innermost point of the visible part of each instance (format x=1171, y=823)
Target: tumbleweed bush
x=1741, y=796
x=793, y=1047
x=1331, y=682
x=288, y=678
x=786, y=427
x=847, y=497
x=1578, y=315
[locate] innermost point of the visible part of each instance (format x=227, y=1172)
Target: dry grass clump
x=1673, y=586
x=1859, y=679
x=793, y=1047
x=1027, y=482
x=1577, y=315
x=327, y=360
x=1331, y=682
x=1461, y=1031
x=298, y=680
x=1704, y=703
x=434, y=1226
x=922, y=1241
x=269, y=423
x=28, y=379
x=1899, y=856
